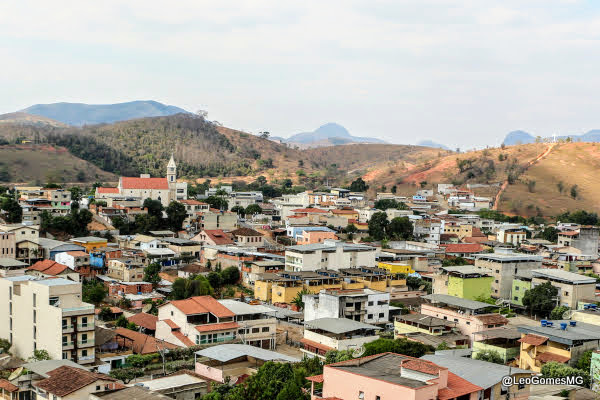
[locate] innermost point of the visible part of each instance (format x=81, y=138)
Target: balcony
x=85, y=327
x=67, y=345
x=86, y=309
x=67, y=328
x=86, y=343
x=85, y=359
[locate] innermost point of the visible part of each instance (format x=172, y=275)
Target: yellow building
x=90, y=242
x=460, y=230
x=396, y=267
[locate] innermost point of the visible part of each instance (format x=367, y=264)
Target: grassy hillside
x=37, y=164
x=28, y=119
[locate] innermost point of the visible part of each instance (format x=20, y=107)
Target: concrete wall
x=470, y=288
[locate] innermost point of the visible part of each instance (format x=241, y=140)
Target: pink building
x=312, y=237
x=470, y=316
x=390, y=376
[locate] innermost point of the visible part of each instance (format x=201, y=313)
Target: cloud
x=463, y=73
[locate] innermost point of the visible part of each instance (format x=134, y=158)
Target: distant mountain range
x=431, y=143
x=79, y=114
x=522, y=137
x=330, y=134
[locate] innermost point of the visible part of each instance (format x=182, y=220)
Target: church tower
x=171, y=172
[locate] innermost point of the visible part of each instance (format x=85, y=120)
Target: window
x=468, y=322
x=84, y=338
x=381, y=315
x=34, y=315
x=265, y=329
x=516, y=288
x=377, y=397
x=84, y=353
x=97, y=388
x=255, y=330
x=34, y=299
x=370, y=316
x=370, y=303
x=361, y=395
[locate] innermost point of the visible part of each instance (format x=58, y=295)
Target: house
x=26, y=240
x=561, y=341
x=90, y=242
x=8, y=244
x=49, y=268
x=141, y=343
x=363, y=305
x=470, y=316
x=197, y=320
x=328, y=255
x=99, y=257
x=182, y=385
x=396, y=267
x=572, y=288
x=514, y=236
x=126, y=269
x=298, y=232
x=216, y=219
x=47, y=314
x=503, y=267
x=129, y=393
x=247, y=237
x=258, y=327
x=503, y=340
x=233, y=362
x=73, y=259
x=521, y=283
x=213, y=237
x=484, y=374
x=324, y=334
x=462, y=249
x=183, y=248
x=192, y=207
x=585, y=239
x=391, y=376
x=315, y=236
x=73, y=383
x=460, y=229
x=428, y=330
x=192, y=269
x=257, y=268
x=12, y=267
x=463, y=281
x=346, y=213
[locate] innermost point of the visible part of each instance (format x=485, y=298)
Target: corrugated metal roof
x=457, y=301
x=228, y=352
x=338, y=325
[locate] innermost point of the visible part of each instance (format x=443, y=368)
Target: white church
x=163, y=189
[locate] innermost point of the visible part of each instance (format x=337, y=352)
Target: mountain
x=430, y=143
x=330, y=134
x=79, y=114
x=28, y=119
x=518, y=137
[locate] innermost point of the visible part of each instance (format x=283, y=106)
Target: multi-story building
x=329, y=255
x=463, y=281
x=364, y=305
x=258, y=327
x=460, y=229
x=47, y=314
x=324, y=334
x=214, y=219
x=514, y=236
x=315, y=236
x=126, y=269
x=503, y=267
x=572, y=288
x=8, y=244
x=585, y=239
x=90, y=242
x=27, y=247
x=73, y=259
x=428, y=230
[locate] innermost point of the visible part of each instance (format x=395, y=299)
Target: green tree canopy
x=194, y=286
x=359, y=185
x=151, y=273
x=93, y=292
x=155, y=207
x=377, y=225
x=230, y=275
x=400, y=228
x=558, y=312
x=253, y=209
x=541, y=299
x=217, y=202
x=400, y=346
x=490, y=356
x=176, y=214
x=14, y=212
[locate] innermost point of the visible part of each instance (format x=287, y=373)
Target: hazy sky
x=462, y=73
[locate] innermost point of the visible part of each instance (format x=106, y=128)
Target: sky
x=460, y=72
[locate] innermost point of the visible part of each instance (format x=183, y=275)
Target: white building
x=363, y=305
x=73, y=259
x=330, y=254
x=47, y=314
x=325, y=334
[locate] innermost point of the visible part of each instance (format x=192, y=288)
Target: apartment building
x=73, y=259
x=47, y=314
x=258, y=326
x=584, y=239
x=363, y=305
x=503, y=267
x=8, y=244
x=463, y=281
x=572, y=287
x=329, y=255
x=324, y=334
x=126, y=269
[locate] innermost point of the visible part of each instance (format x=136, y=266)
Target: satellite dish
x=359, y=351
x=500, y=302
x=567, y=314
x=147, y=307
x=16, y=373
x=421, y=287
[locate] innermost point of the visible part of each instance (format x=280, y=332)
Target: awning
x=532, y=339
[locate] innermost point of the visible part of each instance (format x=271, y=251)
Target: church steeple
x=171, y=170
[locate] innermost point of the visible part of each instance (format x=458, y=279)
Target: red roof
x=9, y=387
x=48, y=267
x=141, y=343
x=77, y=253
x=107, y=190
x=217, y=327
x=568, y=233
x=316, y=345
x=476, y=232
x=426, y=367
x=457, y=387
x=144, y=183
x=218, y=236
x=343, y=212
x=315, y=378
x=182, y=338
x=192, y=202
x=171, y=324
x=492, y=319
x=309, y=211
x=532, y=339
x=65, y=380
x=144, y=320
x=462, y=247
x=547, y=357
x=202, y=305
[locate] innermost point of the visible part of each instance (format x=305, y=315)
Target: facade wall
x=503, y=274
x=519, y=287
x=570, y=294
x=470, y=288
x=7, y=245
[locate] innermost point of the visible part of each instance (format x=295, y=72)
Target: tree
x=104, y=313
x=394, y=189
x=239, y=210
x=4, y=346
x=126, y=375
x=558, y=311
x=554, y=369
x=549, y=233
x=261, y=181
x=574, y=191
x=195, y=286
x=490, y=356
x=423, y=184
x=253, y=209
x=217, y=202
x=121, y=322
x=541, y=299
x=124, y=302
x=560, y=186
x=176, y=214
x=215, y=279
x=154, y=207
x=14, y=212
x=377, y=225
x=93, y=292
x=400, y=228
x=151, y=273
x=400, y=346
x=585, y=361
x=230, y=275
x=298, y=301
x=334, y=356
x=359, y=185
x=40, y=355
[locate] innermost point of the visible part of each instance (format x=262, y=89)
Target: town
x=154, y=289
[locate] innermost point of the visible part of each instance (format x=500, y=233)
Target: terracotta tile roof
x=217, y=327
x=462, y=247
x=457, y=387
x=476, y=232
x=114, y=310
x=171, y=324
x=426, y=367
x=144, y=183
x=66, y=380
x=107, y=190
x=77, y=253
x=192, y=202
x=316, y=345
x=9, y=387
x=144, y=320
x=315, y=378
x=347, y=212
x=548, y=356
x=48, y=267
x=218, y=236
x=492, y=319
x=182, y=338
x=202, y=305
x=141, y=343
x=532, y=339
x=309, y=211
x=568, y=233
x=245, y=232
